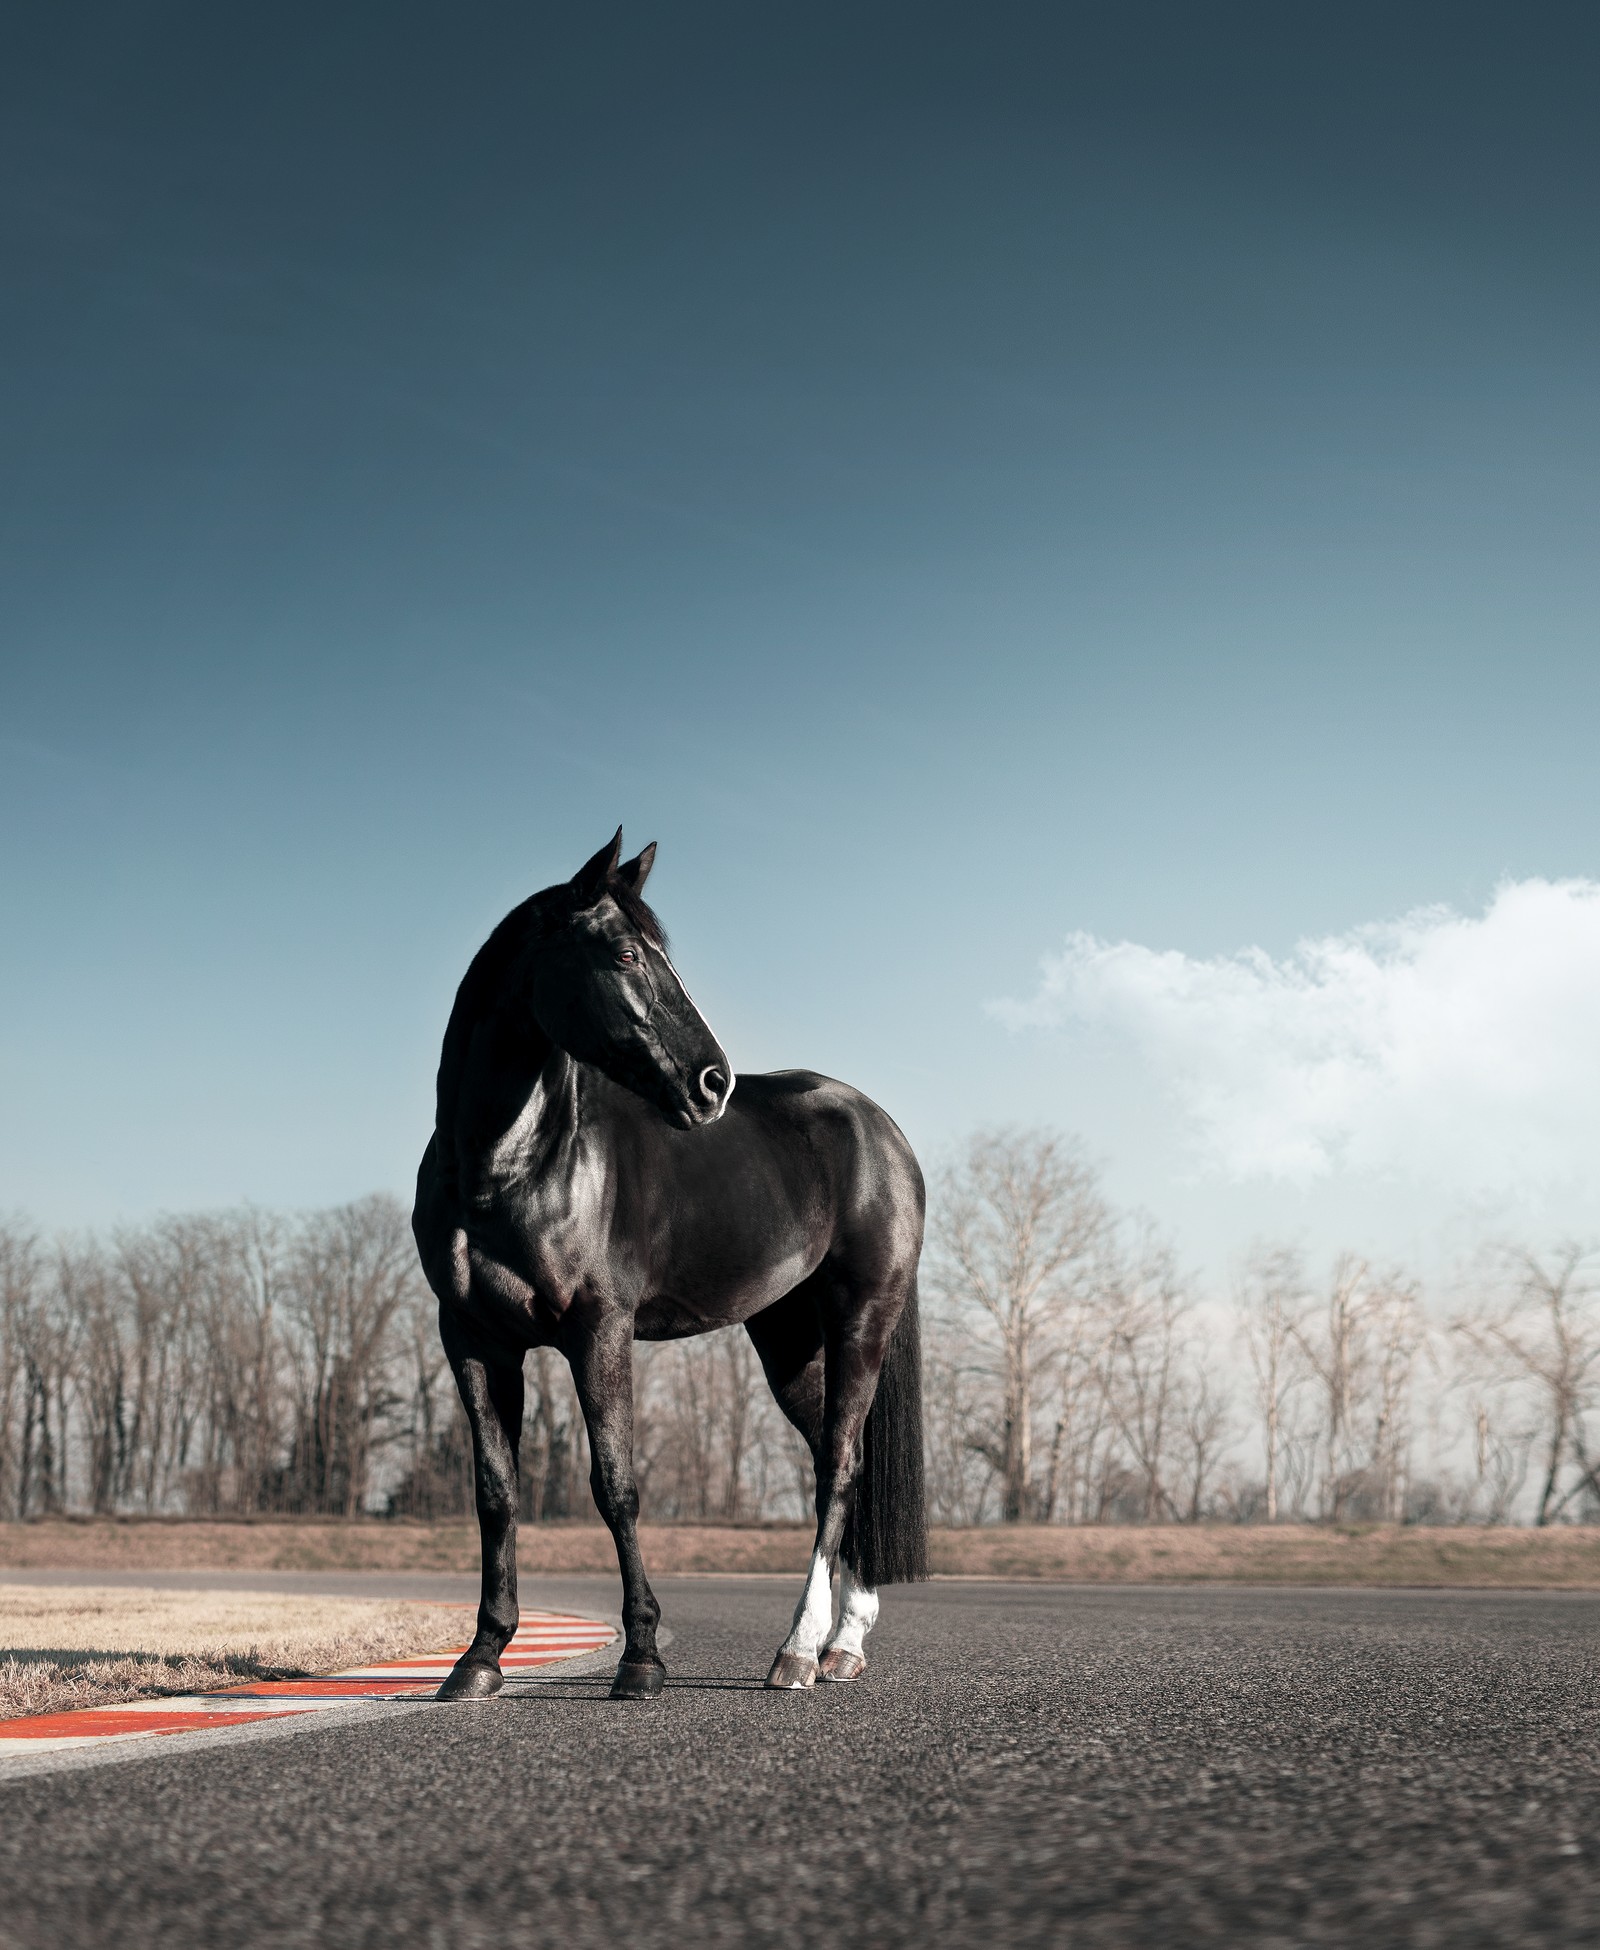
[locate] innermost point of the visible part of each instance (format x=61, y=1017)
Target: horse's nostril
x=713, y=1085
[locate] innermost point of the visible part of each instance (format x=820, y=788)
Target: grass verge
x=71, y=1646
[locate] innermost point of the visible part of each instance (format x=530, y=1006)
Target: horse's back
x=834, y=1115
x=872, y=1171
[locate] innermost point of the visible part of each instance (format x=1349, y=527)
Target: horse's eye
x=627, y=957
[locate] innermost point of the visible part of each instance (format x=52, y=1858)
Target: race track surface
x=1023, y=1765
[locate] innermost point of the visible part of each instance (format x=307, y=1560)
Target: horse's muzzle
x=714, y=1086
x=703, y=1100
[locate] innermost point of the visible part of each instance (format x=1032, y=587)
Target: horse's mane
x=482, y=984
x=639, y=914
x=540, y=912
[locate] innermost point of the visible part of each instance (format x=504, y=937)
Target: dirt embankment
x=1366, y=1554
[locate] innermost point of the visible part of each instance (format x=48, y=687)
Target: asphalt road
x=1024, y=1765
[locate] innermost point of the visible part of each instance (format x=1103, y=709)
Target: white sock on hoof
x=858, y=1613
x=814, y=1613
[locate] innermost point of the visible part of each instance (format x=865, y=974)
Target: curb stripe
x=542, y=1639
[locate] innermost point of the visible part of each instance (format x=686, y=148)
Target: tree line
x=1077, y=1373
x=246, y=1363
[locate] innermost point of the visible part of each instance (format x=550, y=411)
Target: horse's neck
x=508, y=1104
x=489, y=1044
x=548, y=1122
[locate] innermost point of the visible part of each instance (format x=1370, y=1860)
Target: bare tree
x=352, y=1272
x=1539, y=1326
x=1082, y=1473
x=1397, y=1332
x=554, y=1439
x=89, y=1297
x=1272, y=1302
x=691, y=1420
x=1205, y=1428
x=19, y=1285
x=162, y=1274
x=47, y=1341
x=1018, y=1242
x=1146, y=1305
x=741, y=1377
x=1361, y=1346
x=1335, y=1353
x=1500, y=1423
x=956, y=1391
x=233, y=1446
x=709, y=1440
x=437, y=1478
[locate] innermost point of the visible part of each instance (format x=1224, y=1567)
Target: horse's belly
x=719, y=1298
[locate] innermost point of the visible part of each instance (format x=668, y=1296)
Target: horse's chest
x=535, y=1244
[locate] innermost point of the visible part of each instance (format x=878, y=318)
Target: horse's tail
x=886, y=1538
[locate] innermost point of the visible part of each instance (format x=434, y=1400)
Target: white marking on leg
x=858, y=1613
x=814, y=1613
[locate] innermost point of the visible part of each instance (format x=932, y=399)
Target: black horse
x=594, y=1178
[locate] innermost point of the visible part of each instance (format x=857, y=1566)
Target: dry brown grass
x=1370, y=1554
x=86, y=1646
x=292, y=1544
x=1350, y=1554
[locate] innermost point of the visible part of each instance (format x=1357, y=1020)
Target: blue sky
x=959, y=479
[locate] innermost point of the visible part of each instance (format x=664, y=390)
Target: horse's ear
x=635, y=872
x=589, y=882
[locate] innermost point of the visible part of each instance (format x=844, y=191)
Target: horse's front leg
x=490, y=1381
x=600, y=1349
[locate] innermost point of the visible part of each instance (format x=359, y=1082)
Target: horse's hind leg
x=788, y=1336
x=601, y=1354
x=491, y=1391
x=844, y=1657
x=791, y=1340
x=861, y=1317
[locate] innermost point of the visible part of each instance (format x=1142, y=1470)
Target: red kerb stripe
x=105, y=1720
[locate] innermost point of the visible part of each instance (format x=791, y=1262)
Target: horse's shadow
x=597, y=1686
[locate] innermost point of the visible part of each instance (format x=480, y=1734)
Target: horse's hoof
x=471, y=1680
x=792, y=1673
x=841, y=1666
x=639, y=1681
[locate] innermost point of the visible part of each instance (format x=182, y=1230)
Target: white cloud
x=1463, y=1051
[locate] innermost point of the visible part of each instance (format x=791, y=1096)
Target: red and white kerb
x=542, y=1639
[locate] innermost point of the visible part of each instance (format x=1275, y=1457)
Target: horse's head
x=604, y=990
